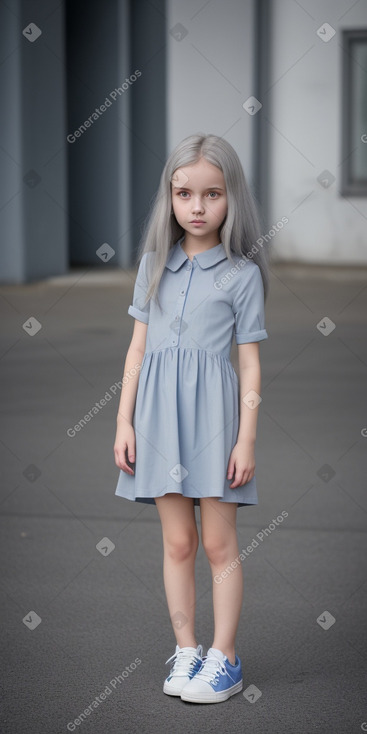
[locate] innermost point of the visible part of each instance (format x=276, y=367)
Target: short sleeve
x=139, y=309
x=248, y=306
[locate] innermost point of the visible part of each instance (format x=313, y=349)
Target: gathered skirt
x=186, y=422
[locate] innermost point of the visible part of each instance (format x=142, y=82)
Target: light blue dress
x=187, y=407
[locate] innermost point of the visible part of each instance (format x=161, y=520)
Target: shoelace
x=212, y=668
x=181, y=659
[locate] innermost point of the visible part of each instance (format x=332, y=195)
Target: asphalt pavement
x=85, y=629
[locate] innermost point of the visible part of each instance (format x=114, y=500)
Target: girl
x=184, y=437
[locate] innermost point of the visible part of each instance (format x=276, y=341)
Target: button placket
x=181, y=303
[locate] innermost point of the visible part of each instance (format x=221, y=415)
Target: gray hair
x=241, y=227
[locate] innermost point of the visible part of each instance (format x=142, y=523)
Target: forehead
x=201, y=174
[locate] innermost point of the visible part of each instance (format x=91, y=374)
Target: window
x=354, y=113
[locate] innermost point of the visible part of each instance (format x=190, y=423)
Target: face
x=199, y=199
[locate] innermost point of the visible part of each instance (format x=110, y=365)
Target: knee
x=182, y=546
x=218, y=550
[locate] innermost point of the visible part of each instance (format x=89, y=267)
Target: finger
x=234, y=483
x=240, y=479
x=121, y=461
x=131, y=450
x=125, y=467
x=230, y=470
x=246, y=477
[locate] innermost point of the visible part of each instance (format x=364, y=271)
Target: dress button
x=177, y=318
x=188, y=266
x=174, y=341
x=182, y=293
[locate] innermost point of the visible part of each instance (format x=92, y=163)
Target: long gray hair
x=241, y=227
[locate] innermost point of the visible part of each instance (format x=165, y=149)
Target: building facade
x=95, y=102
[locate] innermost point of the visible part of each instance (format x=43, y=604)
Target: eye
x=213, y=194
x=183, y=194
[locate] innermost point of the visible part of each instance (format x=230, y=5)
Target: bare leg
x=180, y=544
x=219, y=537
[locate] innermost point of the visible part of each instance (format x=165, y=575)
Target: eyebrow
x=210, y=188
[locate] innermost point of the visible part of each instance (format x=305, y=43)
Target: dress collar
x=177, y=256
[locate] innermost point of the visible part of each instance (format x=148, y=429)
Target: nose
x=197, y=205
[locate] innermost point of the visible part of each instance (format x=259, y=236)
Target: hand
x=124, y=447
x=241, y=465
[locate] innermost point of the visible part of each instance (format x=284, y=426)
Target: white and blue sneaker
x=186, y=662
x=216, y=680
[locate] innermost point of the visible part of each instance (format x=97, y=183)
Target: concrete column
x=33, y=219
x=98, y=130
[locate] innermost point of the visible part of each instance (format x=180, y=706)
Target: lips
x=197, y=221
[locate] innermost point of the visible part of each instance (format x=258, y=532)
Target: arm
x=242, y=459
x=125, y=434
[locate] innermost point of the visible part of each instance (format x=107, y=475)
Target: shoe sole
x=172, y=692
x=212, y=697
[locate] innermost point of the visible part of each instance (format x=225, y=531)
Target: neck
x=193, y=245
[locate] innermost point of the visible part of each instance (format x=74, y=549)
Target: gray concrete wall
x=33, y=175
x=116, y=161
x=66, y=187
x=211, y=50
x=211, y=72
x=148, y=122
x=306, y=135
x=97, y=65
x=11, y=252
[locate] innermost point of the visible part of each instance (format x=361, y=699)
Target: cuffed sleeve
x=139, y=309
x=248, y=306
